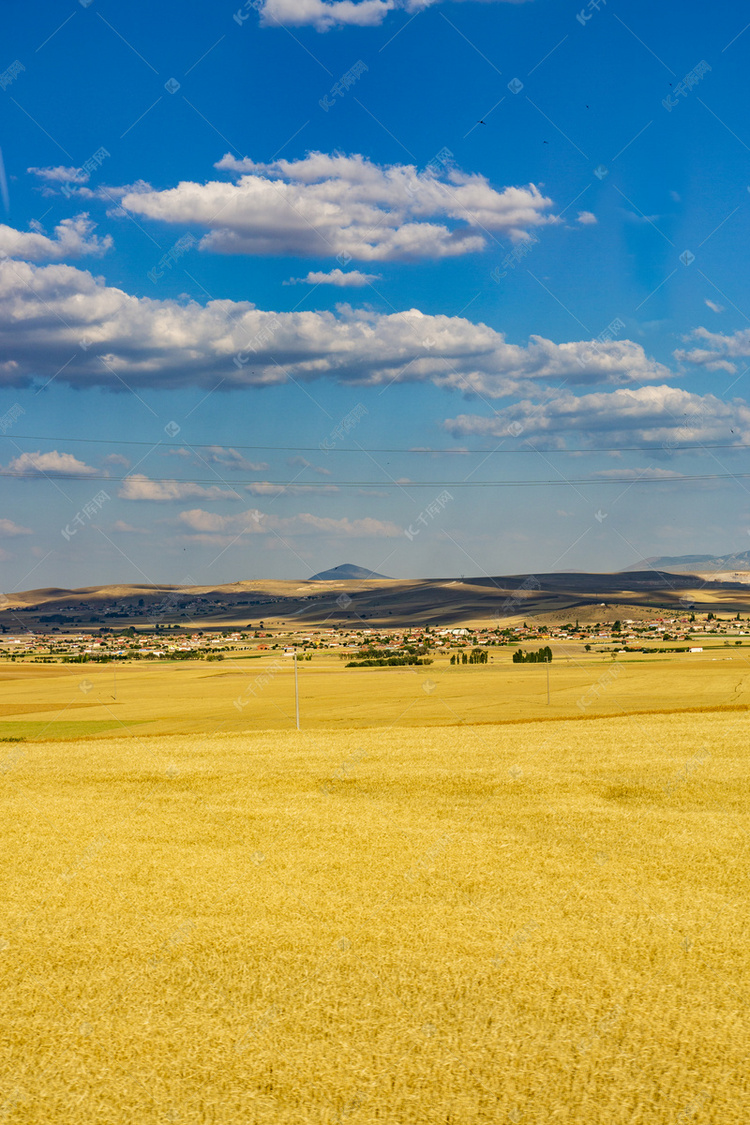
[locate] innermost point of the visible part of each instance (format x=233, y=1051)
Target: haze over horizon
x=293, y=281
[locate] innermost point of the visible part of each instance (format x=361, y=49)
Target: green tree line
x=541, y=656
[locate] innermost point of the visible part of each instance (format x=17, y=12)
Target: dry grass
x=524, y=924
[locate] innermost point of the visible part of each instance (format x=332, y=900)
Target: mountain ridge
x=691, y=564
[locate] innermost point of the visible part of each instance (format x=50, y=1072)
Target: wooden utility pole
x=296, y=689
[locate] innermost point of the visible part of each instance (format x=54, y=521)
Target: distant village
x=179, y=642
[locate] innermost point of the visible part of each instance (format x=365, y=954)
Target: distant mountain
x=690, y=564
x=347, y=571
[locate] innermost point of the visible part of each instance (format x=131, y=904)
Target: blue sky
x=254, y=256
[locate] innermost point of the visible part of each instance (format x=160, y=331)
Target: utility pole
x=296, y=689
x=547, y=683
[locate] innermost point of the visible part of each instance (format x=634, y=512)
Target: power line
x=406, y=484
x=664, y=448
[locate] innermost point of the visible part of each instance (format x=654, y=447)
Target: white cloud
x=61, y=175
x=10, y=529
x=266, y=488
x=197, y=519
x=649, y=473
x=112, y=194
x=345, y=529
x=116, y=459
x=714, y=307
x=639, y=219
x=351, y=279
x=232, y=460
x=720, y=351
x=326, y=14
x=45, y=313
x=586, y=218
x=75, y=182
x=48, y=464
x=73, y=238
x=127, y=529
x=350, y=529
x=211, y=527
x=329, y=206
x=139, y=487
x=303, y=463
x=660, y=416
x=229, y=459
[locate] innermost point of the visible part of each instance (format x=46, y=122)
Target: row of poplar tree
x=541, y=656
x=476, y=656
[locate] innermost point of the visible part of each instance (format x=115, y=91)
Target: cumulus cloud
x=60, y=175
x=112, y=193
x=10, y=529
x=714, y=306
x=660, y=416
x=346, y=206
x=326, y=14
x=139, y=487
x=211, y=527
x=73, y=238
x=720, y=351
x=586, y=218
x=230, y=460
x=60, y=321
x=351, y=279
x=48, y=464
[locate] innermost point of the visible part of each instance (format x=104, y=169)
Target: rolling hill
x=375, y=602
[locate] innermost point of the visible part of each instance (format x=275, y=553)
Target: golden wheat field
x=543, y=922
x=239, y=694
